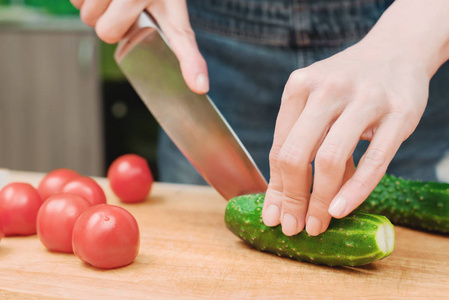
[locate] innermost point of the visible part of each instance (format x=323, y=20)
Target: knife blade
x=192, y=121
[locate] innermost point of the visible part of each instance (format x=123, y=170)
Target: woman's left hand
x=368, y=92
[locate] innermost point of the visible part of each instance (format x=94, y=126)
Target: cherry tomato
x=87, y=188
x=130, y=178
x=56, y=218
x=53, y=182
x=19, y=204
x=106, y=236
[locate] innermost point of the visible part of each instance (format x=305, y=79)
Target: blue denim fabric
x=252, y=46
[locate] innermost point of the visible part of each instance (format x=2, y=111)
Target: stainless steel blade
x=192, y=121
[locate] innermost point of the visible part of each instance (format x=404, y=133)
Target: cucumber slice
x=358, y=239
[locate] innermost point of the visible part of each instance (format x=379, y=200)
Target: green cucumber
x=358, y=239
x=414, y=204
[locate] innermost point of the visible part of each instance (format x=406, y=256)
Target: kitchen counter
x=187, y=252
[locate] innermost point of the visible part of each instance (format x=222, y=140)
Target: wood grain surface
x=187, y=252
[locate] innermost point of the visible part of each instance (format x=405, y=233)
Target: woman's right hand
x=113, y=18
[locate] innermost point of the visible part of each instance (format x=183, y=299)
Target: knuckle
x=319, y=203
x=406, y=123
x=329, y=156
x=290, y=158
x=88, y=17
x=336, y=84
x=372, y=102
x=181, y=29
x=106, y=35
x=299, y=77
x=296, y=83
x=412, y=112
x=361, y=186
x=402, y=110
x=373, y=93
x=274, y=154
x=294, y=200
x=326, y=99
x=375, y=157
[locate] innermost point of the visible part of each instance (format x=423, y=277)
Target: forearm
x=414, y=29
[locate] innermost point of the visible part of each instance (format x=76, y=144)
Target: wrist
x=407, y=60
x=415, y=31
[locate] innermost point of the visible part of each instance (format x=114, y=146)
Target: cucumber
x=414, y=204
x=358, y=239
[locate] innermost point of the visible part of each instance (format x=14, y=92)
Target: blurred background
x=63, y=101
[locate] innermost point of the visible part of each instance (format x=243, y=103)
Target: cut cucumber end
x=385, y=238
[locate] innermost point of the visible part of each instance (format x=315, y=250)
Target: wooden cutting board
x=187, y=252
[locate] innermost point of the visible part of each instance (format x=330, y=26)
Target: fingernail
x=337, y=207
x=202, y=83
x=271, y=215
x=289, y=225
x=313, y=226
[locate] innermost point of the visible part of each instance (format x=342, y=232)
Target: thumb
x=174, y=21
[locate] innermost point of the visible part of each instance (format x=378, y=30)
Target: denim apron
x=252, y=46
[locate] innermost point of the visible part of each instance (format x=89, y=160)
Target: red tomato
x=130, y=178
x=53, y=182
x=56, y=218
x=19, y=204
x=87, y=188
x=106, y=236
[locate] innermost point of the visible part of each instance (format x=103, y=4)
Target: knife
x=192, y=121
